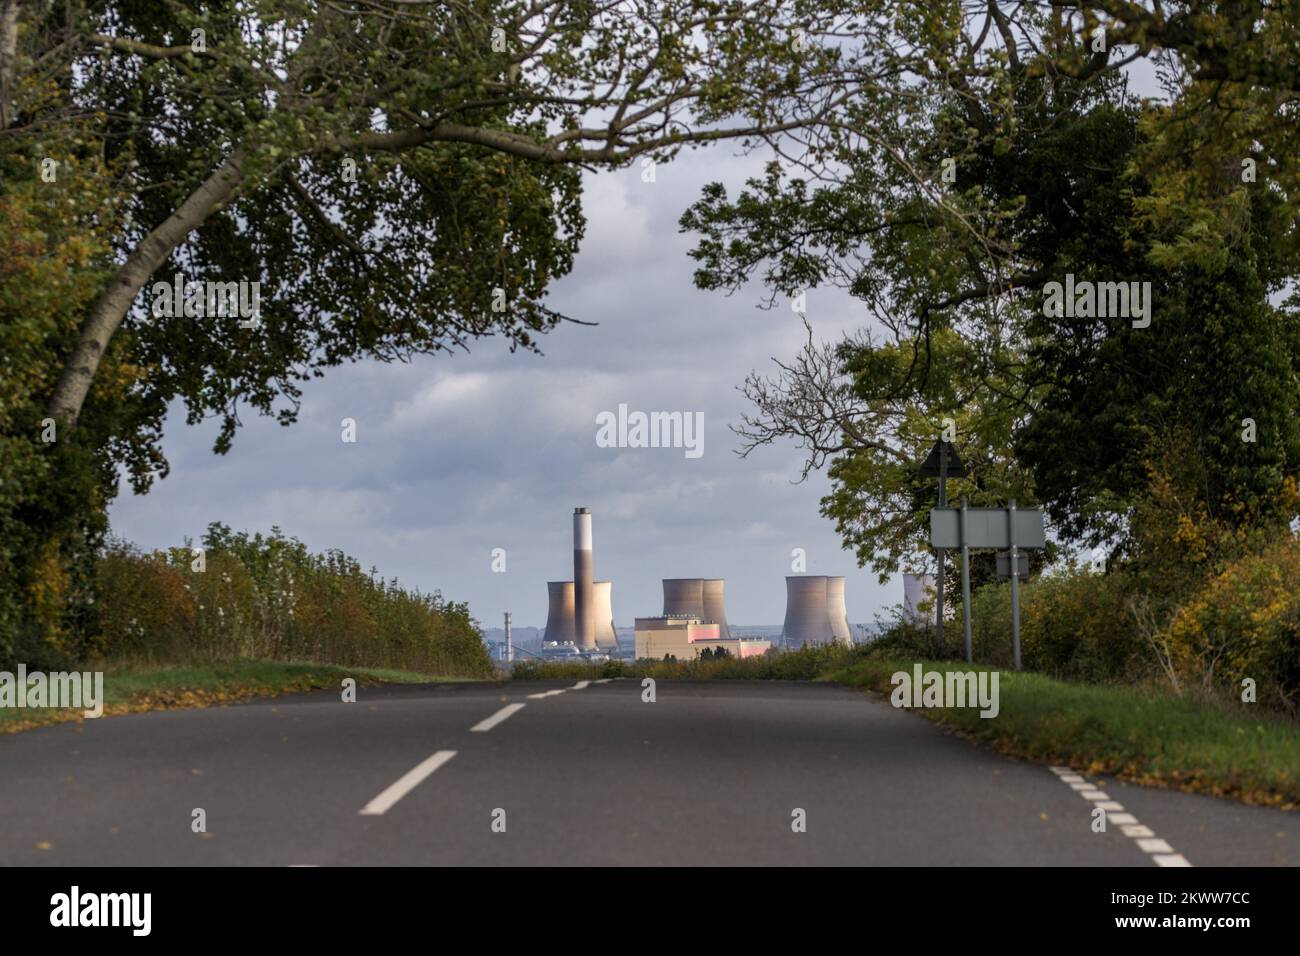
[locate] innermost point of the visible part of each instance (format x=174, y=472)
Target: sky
x=456, y=456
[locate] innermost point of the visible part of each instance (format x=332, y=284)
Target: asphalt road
x=708, y=774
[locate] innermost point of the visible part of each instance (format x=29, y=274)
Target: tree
x=397, y=177
x=465, y=124
x=1048, y=178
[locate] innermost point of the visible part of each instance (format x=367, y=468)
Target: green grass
x=1139, y=734
x=134, y=688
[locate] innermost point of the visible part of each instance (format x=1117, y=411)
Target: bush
x=268, y=598
x=1244, y=625
x=1074, y=624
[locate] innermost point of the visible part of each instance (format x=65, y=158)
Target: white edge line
x=405, y=784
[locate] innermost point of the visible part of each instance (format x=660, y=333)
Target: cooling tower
x=559, y=615
x=684, y=596
x=839, y=614
x=606, y=636
x=807, y=612
x=713, y=607
x=916, y=589
x=584, y=599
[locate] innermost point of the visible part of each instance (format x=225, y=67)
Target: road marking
x=604, y=680
x=405, y=784
x=1162, y=854
x=581, y=685
x=504, y=713
x=547, y=693
x=1155, y=846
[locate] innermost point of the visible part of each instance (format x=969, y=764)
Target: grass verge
x=132, y=689
x=1133, y=734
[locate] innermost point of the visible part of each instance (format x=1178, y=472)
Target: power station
x=580, y=613
x=699, y=598
x=815, y=611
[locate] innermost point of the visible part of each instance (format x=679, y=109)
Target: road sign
x=943, y=463
x=930, y=468
x=1004, y=564
x=987, y=528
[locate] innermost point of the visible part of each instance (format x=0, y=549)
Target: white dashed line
x=547, y=693
x=405, y=784
x=1162, y=854
x=604, y=680
x=504, y=713
x=581, y=685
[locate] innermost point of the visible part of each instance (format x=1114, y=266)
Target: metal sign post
x=939, y=552
x=1015, y=584
x=942, y=461
x=1011, y=528
x=965, y=579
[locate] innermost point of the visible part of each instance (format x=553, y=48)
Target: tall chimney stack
x=583, y=589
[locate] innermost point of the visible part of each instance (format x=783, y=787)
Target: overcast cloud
x=456, y=456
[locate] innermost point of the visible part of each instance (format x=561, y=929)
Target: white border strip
x=1159, y=851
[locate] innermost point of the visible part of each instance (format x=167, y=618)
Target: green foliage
x=1050, y=180
x=55, y=484
x=268, y=598
x=1244, y=626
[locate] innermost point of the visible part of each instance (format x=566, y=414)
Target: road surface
x=710, y=773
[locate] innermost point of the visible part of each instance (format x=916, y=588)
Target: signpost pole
x=1015, y=583
x=965, y=579
x=941, y=552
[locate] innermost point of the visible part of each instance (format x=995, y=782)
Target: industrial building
x=919, y=589
x=561, y=614
x=815, y=612
x=686, y=636
x=581, y=612
x=697, y=597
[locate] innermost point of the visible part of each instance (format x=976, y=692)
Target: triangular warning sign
x=930, y=467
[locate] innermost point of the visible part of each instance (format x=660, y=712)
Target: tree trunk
x=8, y=59
x=112, y=305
